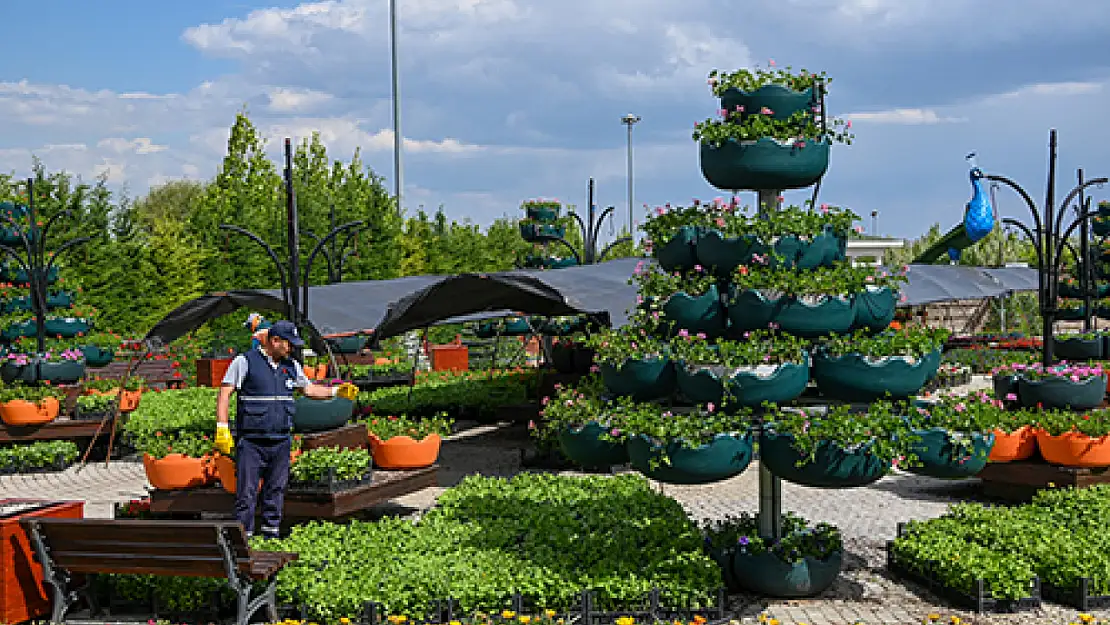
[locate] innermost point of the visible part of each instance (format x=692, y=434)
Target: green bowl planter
x=561, y=263
x=727, y=455
x=723, y=558
x=1068, y=290
x=1079, y=349
x=11, y=372
x=564, y=328
x=751, y=310
x=539, y=231
x=768, y=575
x=20, y=276
x=641, y=379
x=516, y=327
x=782, y=101
x=940, y=457
x=764, y=164
x=585, y=448
x=832, y=467
x=1072, y=314
x=1062, y=393
x=779, y=384
x=17, y=330
x=1004, y=385
x=696, y=313
x=96, y=356
x=63, y=372
x=542, y=214
x=875, y=308
x=851, y=377
x=347, y=344
x=66, y=328
x=317, y=415
x=823, y=250
x=724, y=254
x=677, y=252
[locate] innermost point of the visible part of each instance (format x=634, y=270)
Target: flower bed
x=466, y=394
x=36, y=457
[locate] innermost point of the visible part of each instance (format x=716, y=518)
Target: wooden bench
x=68, y=547
x=157, y=373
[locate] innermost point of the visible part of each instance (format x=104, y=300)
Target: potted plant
x=762, y=366
x=955, y=435
x=535, y=231
x=1079, y=346
x=1080, y=387
x=698, y=447
x=22, y=406
x=681, y=301
x=836, y=448
x=17, y=323
x=174, y=461
x=577, y=419
x=99, y=348
x=750, y=145
x=863, y=367
x=671, y=233
x=330, y=469
x=803, y=563
x=61, y=367
x=93, y=407
x=633, y=362
x=403, y=442
x=1074, y=439
x=348, y=344
x=541, y=210
x=18, y=367
x=318, y=415
x=1015, y=437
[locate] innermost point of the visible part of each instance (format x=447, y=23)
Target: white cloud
x=139, y=145
x=915, y=116
x=285, y=100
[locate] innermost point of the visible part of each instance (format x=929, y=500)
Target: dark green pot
x=539, y=231
x=768, y=575
x=821, y=251
x=1069, y=290
x=585, y=448
x=764, y=164
x=852, y=378
x=696, y=313
x=722, y=255
x=96, y=356
x=65, y=328
x=702, y=385
x=1004, y=385
x=874, y=308
x=832, y=466
x=516, y=327
x=347, y=344
x=564, y=328
x=1078, y=349
x=781, y=100
x=727, y=455
x=317, y=415
x=11, y=372
x=723, y=558
x=64, y=372
x=679, y=251
x=10, y=237
x=1104, y=209
x=1062, y=393
x=561, y=263
x=750, y=310
x=19, y=276
x=17, y=330
x=1072, y=314
x=940, y=457
x=641, y=379
x=542, y=214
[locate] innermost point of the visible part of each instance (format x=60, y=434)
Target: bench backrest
x=184, y=548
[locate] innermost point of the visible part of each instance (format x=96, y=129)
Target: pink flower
x=766, y=111
x=684, y=333
x=710, y=406
x=848, y=124
x=771, y=62
x=1011, y=397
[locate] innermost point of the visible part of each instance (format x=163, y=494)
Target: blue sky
x=510, y=99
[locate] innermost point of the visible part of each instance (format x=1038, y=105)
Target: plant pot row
x=1070, y=449
x=1055, y=392
x=59, y=372
x=691, y=246
x=850, y=377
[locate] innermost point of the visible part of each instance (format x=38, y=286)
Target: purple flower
x=743, y=541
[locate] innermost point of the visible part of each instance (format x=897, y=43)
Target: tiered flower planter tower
x=1086, y=295
x=755, y=333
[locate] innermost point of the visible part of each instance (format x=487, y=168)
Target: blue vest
x=264, y=404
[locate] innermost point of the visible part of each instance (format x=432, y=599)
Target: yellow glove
x=347, y=391
x=224, y=444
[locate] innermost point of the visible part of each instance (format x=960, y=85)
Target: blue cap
x=287, y=331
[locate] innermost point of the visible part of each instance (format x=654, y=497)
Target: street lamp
x=874, y=223
x=397, y=141
x=630, y=120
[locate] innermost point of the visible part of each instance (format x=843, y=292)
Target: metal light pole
x=875, y=223
x=630, y=121
x=397, y=136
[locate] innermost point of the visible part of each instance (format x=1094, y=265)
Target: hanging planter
x=67, y=327
x=641, y=379
x=750, y=386
x=318, y=415
x=96, y=356
x=677, y=252
x=535, y=232
x=66, y=371
x=725, y=456
x=823, y=250
x=942, y=456
x=1101, y=226
x=18, y=370
x=1082, y=347
x=543, y=212
x=875, y=308
x=806, y=316
x=55, y=300
x=768, y=575
x=833, y=466
x=18, y=275
x=583, y=446
x=724, y=254
x=1019, y=444
x=764, y=164
x=855, y=377
x=696, y=313
x=20, y=329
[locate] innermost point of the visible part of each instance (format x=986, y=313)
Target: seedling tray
x=330, y=484
x=980, y=602
x=1079, y=597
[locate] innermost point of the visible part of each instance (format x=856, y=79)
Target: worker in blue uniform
x=264, y=378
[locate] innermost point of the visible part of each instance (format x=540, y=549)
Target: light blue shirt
x=237, y=371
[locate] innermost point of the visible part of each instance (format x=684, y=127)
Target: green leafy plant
x=748, y=80
x=386, y=427
x=912, y=342
x=740, y=535
x=665, y=221
x=656, y=286
x=317, y=465
x=632, y=342
x=881, y=431
x=23, y=457
x=840, y=280
x=628, y=419
x=752, y=349
x=803, y=223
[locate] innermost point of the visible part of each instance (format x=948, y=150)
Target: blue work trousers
x=266, y=460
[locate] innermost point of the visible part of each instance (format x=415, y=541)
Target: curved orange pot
x=403, y=452
x=224, y=469
x=19, y=412
x=1074, y=449
x=1017, y=445
x=176, y=471
x=129, y=400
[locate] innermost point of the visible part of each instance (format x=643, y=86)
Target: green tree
x=175, y=200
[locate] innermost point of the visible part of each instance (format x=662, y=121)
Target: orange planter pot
x=24, y=413
x=1074, y=449
x=402, y=452
x=1017, y=445
x=129, y=400
x=224, y=469
x=175, y=471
